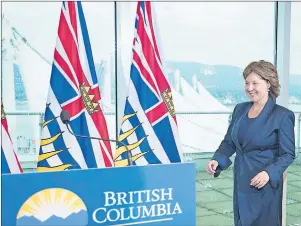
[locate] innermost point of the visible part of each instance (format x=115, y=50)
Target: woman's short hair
x=266, y=71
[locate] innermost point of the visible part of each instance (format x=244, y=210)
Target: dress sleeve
x=286, y=149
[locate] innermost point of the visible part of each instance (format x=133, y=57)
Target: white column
x=283, y=65
x=283, y=49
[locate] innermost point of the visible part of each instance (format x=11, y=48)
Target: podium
x=135, y=195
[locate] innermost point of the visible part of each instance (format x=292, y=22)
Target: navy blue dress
x=246, y=122
x=266, y=143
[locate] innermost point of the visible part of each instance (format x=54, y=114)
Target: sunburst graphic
x=54, y=206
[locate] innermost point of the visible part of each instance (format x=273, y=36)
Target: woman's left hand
x=260, y=180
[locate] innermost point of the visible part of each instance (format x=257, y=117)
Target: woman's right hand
x=211, y=167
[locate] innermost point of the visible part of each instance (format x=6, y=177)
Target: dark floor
x=214, y=197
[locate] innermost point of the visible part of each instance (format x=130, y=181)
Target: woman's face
x=256, y=88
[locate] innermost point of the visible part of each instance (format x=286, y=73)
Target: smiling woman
x=261, y=78
x=261, y=134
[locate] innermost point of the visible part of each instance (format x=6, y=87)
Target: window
x=27, y=66
x=206, y=47
x=293, y=198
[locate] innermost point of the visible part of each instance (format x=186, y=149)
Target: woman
x=261, y=134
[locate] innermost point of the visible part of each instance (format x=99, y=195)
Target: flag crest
x=73, y=88
x=149, y=126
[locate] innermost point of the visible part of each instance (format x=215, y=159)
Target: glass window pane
x=293, y=198
x=206, y=47
x=29, y=39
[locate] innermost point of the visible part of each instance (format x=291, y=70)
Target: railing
x=297, y=114
x=297, y=118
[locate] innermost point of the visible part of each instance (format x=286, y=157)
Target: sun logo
x=118, y=161
x=54, y=206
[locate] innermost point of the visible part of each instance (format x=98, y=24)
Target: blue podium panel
x=136, y=195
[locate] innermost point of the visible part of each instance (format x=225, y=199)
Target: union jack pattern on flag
x=149, y=126
x=73, y=88
x=9, y=159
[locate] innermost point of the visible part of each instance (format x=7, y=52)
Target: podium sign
x=136, y=195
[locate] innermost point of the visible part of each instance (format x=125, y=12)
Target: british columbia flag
x=9, y=159
x=73, y=88
x=149, y=126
